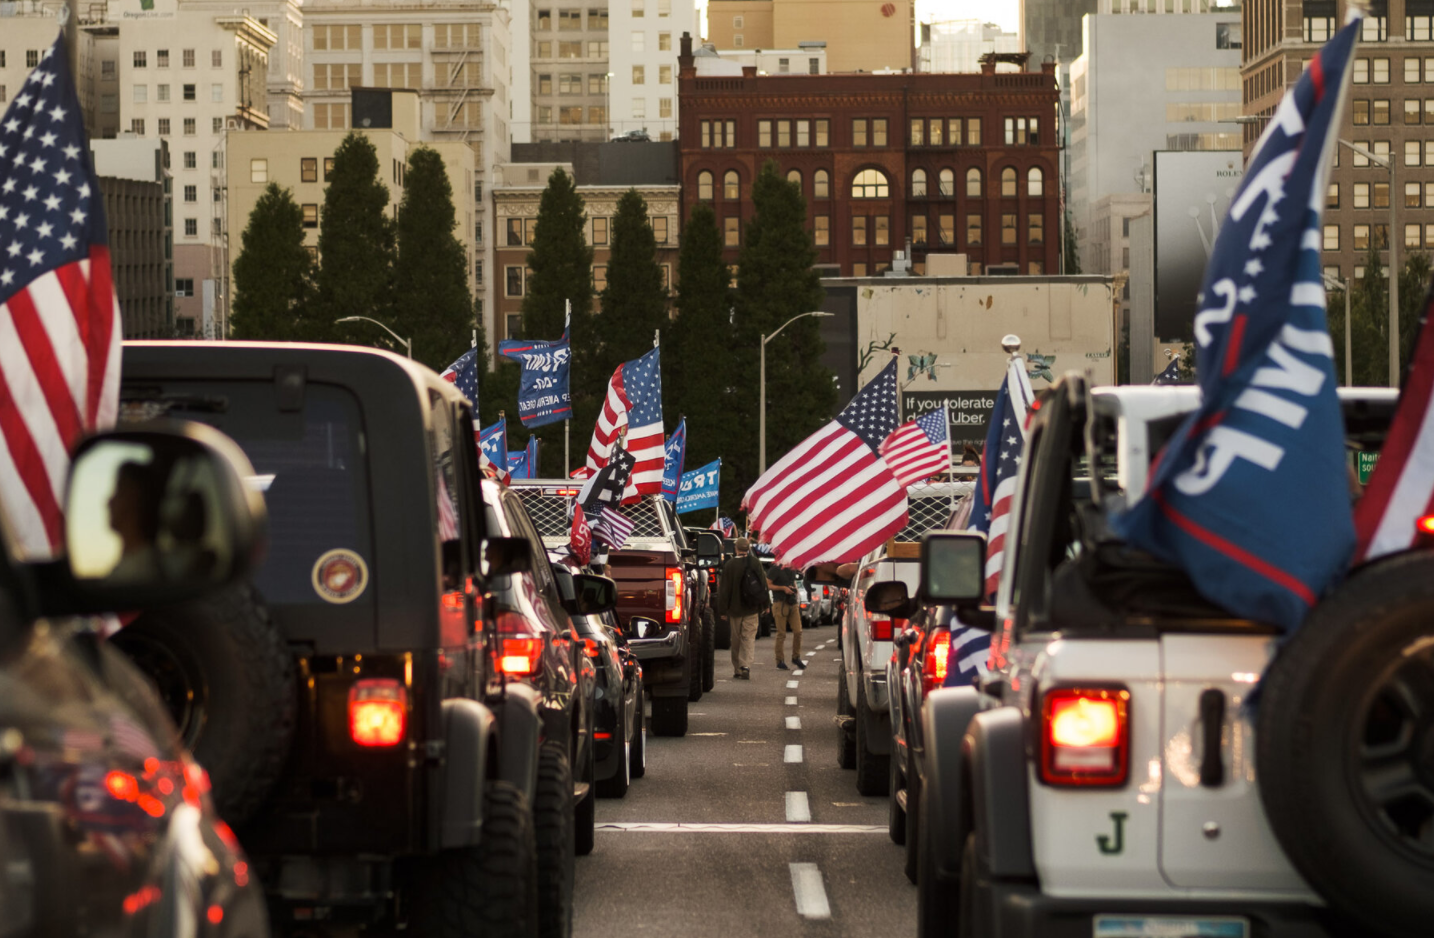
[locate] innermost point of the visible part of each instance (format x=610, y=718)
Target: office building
x=1051, y=29
x=861, y=36
x=136, y=188
x=957, y=45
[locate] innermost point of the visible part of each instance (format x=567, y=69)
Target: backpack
x=749, y=589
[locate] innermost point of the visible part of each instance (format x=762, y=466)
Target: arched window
x=704, y=186
x=870, y=184
x=973, y=183
x=795, y=175
x=731, y=185
x=821, y=185
x=1008, y=183
x=1035, y=183
x=948, y=183
x=918, y=183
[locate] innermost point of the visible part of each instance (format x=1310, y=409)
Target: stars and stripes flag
x=1171, y=374
x=60, y=326
x=634, y=405
x=1250, y=495
x=614, y=527
x=833, y=497
x=602, y=493
x=1401, y=490
x=996, y=482
x=463, y=374
x=493, y=449
x=726, y=525
x=920, y=448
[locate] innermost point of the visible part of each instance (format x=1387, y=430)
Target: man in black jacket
x=742, y=615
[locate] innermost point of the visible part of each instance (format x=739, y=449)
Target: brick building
x=956, y=163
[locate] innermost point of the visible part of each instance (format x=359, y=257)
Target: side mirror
x=153, y=517
x=889, y=598
x=953, y=568
x=689, y=555
x=595, y=594
x=505, y=555
x=643, y=627
x=709, y=547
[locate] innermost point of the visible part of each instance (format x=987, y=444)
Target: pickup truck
x=663, y=600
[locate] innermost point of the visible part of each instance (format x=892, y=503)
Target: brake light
x=1085, y=736
x=933, y=666
x=676, y=593
x=378, y=712
x=566, y=491
x=880, y=627
x=592, y=648
x=1425, y=525
x=520, y=657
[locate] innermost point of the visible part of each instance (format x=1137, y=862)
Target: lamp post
x=1394, y=236
x=407, y=345
x=1333, y=283
x=762, y=388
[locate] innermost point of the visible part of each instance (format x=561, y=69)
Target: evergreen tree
x=432, y=305
x=356, y=248
x=697, y=380
x=634, y=303
x=274, y=273
x=776, y=280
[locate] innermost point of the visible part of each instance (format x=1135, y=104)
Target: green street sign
x=1364, y=464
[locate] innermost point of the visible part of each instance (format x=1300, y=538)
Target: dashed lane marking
x=799, y=811
x=654, y=827
x=810, y=894
x=706, y=734
x=792, y=684
x=792, y=753
x=791, y=701
x=794, y=723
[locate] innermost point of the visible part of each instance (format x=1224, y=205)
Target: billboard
x=1193, y=189
x=967, y=413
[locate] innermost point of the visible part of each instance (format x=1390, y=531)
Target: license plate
x=1170, y=926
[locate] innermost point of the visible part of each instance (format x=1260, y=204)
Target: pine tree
x=697, y=380
x=432, y=305
x=356, y=247
x=634, y=303
x=274, y=273
x=776, y=280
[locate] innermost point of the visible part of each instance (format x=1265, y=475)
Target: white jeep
x=1113, y=778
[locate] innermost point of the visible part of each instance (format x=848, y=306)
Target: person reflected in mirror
x=786, y=608
x=134, y=517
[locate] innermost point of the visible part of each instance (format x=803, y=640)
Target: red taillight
x=592, y=648
x=378, y=712
x=1085, y=736
x=520, y=657
x=1425, y=525
x=933, y=666
x=602, y=735
x=880, y=627
x=676, y=593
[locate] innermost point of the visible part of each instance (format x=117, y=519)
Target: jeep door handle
x=1212, y=726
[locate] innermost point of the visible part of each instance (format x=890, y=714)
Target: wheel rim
x=626, y=762
x=179, y=681
x=1394, y=768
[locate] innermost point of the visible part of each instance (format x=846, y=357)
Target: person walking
x=787, y=608
x=741, y=596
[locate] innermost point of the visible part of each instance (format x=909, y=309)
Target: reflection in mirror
x=953, y=568
x=642, y=627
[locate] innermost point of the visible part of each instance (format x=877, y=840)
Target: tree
x=1071, y=261
x=356, y=247
x=432, y=305
x=1369, y=317
x=697, y=380
x=274, y=272
x=634, y=303
x=776, y=280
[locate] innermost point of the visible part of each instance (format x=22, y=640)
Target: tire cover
x=1345, y=746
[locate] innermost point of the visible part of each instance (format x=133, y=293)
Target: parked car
x=1111, y=776
x=106, y=823
x=351, y=706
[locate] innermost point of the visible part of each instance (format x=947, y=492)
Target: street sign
x=1364, y=464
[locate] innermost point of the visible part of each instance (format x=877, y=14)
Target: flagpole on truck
x=567, y=424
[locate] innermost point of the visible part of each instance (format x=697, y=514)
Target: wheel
x=709, y=653
x=723, y=634
x=937, y=903
x=846, y=737
x=554, y=825
x=895, y=814
x=913, y=824
x=1358, y=760
x=490, y=889
x=616, y=786
x=871, y=769
x=585, y=814
x=669, y=716
x=638, y=756
x=226, y=675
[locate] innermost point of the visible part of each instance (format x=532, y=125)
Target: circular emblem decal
x=888, y=9
x=340, y=576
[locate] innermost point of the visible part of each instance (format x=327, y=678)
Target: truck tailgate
x=641, y=577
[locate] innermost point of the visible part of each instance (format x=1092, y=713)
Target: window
x=216, y=93
x=821, y=184
x=1411, y=153
x=191, y=193
x=935, y=127
x=140, y=60
x=1008, y=229
x=189, y=126
x=704, y=186
x=795, y=176
x=597, y=49
x=189, y=92
x=191, y=227
x=738, y=22
x=190, y=160
x=858, y=270
x=1429, y=236
x=1429, y=152
x=1036, y=185
x=948, y=183
x=258, y=170
x=567, y=19
x=1411, y=236
x=161, y=58
x=107, y=67
x=918, y=132
x=821, y=230
x=639, y=41
x=973, y=230
x=664, y=7
x=1318, y=24
x=882, y=229
x=328, y=167
x=1227, y=35
x=141, y=94
x=216, y=58
x=1418, y=21
x=308, y=169
x=973, y=183
x=570, y=115
x=599, y=277
x=664, y=42
x=1411, y=195
x=878, y=132
x=1331, y=199
x=918, y=183
x=164, y=126
x=136, y=126
x=918, y=231
x=1361, y=237
x=814, y=66
x=639, y=108
x=1381, y=195
x=823, y=132
x=858, y=231
x=731, y=185
x=1331, y=237
x=858, y=132
x=1008, y=183
x=311, y=214
x=1379, y=69
x=1036, y=229
x=664, y=74
x=1380, y=112
x=731, y=232
x=569, y=84
x=183, y=286
x=1361, y=72
x=1359, y=158
x=1360, y=112
x=599, y=231
x=973, y=131
x=659, y=229
x=804, y=133
x=1017, y=131
x=513, y=281
x=664, y=109
x=216, y=159
x=764, y=134
x=784, y=133
x=784, y=66
x=217, y=124
x=870, y=184
x=515, y=232
x=639, y=75
x=1411, y=111
x=161, y=93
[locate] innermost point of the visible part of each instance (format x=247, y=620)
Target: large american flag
x=463, y=374
x=59, y=321
x=920, y=448
x=996, y=482
x=833, y=497
x=634, y=404
x=602, y=493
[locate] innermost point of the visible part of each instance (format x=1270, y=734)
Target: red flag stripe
x=48, y=373
x=104, y=339
x=852, y=467
x=31, y=473
x=778, y=480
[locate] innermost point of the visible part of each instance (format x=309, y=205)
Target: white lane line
x=793, y=753
x=794, y=723
x=652, y=827
x=792, y=684
x=791, y=701
x=836, y=659
x=811, y=895
x=798, y=810
x=809, y=654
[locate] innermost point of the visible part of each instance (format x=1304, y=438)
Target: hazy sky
x=1004, y=12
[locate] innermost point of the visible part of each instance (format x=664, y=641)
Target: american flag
x=614, y=527
x=634, y=402
x=59, y=320
x=493, y=449
x=726, y=525
x=463, y=373
x=602, y=493
x=966, y=660
x=1171, y=374
x=996, y=482
x=920, y=448
x=833, y=497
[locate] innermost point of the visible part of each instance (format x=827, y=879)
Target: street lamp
x=407, y=345
x=762, y=388
x=1394, y=236
x=1334, y=283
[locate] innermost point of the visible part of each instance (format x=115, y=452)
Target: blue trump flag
x=543, y=386
x=699, y=488
x=493, y=443
x=518, y=463
x=1250, y=495
x=673, y=455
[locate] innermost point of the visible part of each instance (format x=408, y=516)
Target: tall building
x=957, y=164
x=285, y=18
x=1390, y=113
x=643, y=61
x=26, y=32
x=861, y=36
x=135, y=183
x=957, y=45
x=1050, y=29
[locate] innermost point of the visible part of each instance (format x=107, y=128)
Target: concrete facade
x=1052, y=28
x=136, y=188
x=957, y=46
x=567, y=53
x=861, y=36
x=799, y=61
x=644, y=37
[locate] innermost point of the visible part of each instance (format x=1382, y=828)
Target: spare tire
x=226, y=676
x=1345, y=747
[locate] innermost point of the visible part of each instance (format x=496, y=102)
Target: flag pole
x=567, y=465
x=896, y=353
x=950, y=456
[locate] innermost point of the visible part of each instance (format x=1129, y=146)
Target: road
x=714, y=840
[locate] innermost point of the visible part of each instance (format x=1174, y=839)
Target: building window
x=946, y=229
x=136, y=126
x=664, y=42
x=1381, y=195
x=973, y=183
x=1359, y=113
x=664, y=74
x=882, y=229
x=794, y=176
x=191, y=193
x=764, y=134
x=878, y=132
x=217, y=125
x=599, y=277
x=804, y=133
x=1375, y=27
x=1411, y=153
x=704, y=186
x=1379, y=69
x=1411, y=111
x=1331, y=198
x=1380, y=112
x=659, y=229
x=1331, y=237
x=1035, y=182
x=858, y=270
x=948, y=183
x=107, y=68
x=191, y=227
x=311, y=214
x=1008, y=183
x=189, y=126
x=973, y=229
x=1008, y=229
x=140, y=93
x=191, y=160
x=934, y=136
x=599, y=231
x=731, y=231
x=858, y=132
x=918, y=132
x=870, y=184
x=821, y=184
x=1418, y=21
x=1020, y=131
x=821, y=231
x=216, y=58
x=823, y=132
x=639, y=75
x=161, y=93
x=858, y=231
x=973, y=131
x=328, y=167
x=515, y=232
x=189, y=92
x=918, y=183
x=918, y=231
x=1411, y=236
x=163, y=126
x=784, y=134
x=731, y=185
x=216, y=93
x=258, y=170
x=512, y=281
x=639, y=41
x=183, y=286
x=140, y=59
x=1036, y=228
x=1318, y=28
x=814, y=66
x=1361, y=237
x=308, y=169
x=1411, y=195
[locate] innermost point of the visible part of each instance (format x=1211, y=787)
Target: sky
x=1006, y=13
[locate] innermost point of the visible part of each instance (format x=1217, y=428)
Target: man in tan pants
x=739, y=612
x=787, y=609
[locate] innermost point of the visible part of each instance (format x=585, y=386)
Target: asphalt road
x=703, y=845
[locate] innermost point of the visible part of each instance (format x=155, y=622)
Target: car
x=350, y=706
x=1111, y=774
x=106, y=822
